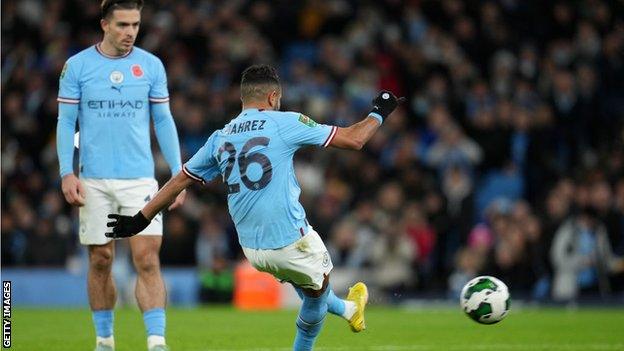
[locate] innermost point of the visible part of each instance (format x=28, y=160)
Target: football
x=485, y=299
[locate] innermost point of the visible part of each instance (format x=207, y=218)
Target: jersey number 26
x=243, y=162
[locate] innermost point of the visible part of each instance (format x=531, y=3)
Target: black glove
x=385, y=103
x=126, y=226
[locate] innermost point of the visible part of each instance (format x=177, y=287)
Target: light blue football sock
x=154, y=320
x=103, y=321
x=310, y=321
x=335, y=305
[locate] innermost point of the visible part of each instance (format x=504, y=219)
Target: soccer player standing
x=254, y=155
x=112, y=89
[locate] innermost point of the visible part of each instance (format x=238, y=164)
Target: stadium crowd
x=507, y=159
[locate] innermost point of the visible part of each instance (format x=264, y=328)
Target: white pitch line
x=474, y=347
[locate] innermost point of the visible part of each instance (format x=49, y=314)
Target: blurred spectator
x=212, y=245
x=217, y=283
x=457, y=188
x=468, y=263
x=582, y=257
x=453, y=149
x=348, y=246
x=392, y=257
x=422, y=236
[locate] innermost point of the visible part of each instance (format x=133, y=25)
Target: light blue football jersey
x=114, y=96
x=254, y=154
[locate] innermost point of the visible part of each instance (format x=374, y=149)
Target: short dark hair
x=257, y=80
x=108, y=6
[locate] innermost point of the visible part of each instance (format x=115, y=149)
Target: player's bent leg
x=102, y=294
x=310, y=267
x=335, y=305
x=150, y=288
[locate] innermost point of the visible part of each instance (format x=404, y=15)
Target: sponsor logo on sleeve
x=307, y=121
x=64, y=71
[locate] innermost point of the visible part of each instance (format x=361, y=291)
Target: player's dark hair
x=257, y=81
x=108, y=6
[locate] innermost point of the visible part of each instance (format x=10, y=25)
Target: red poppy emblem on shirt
x=137, y=71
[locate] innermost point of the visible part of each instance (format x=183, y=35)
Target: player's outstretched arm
x=127, y=226
x=355, y=136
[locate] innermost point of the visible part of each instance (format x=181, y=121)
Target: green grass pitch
x=224, y=328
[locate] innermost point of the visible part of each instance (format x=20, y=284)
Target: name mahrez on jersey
x=246, y=126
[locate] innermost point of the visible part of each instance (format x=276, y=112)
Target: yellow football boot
x=358, y=293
